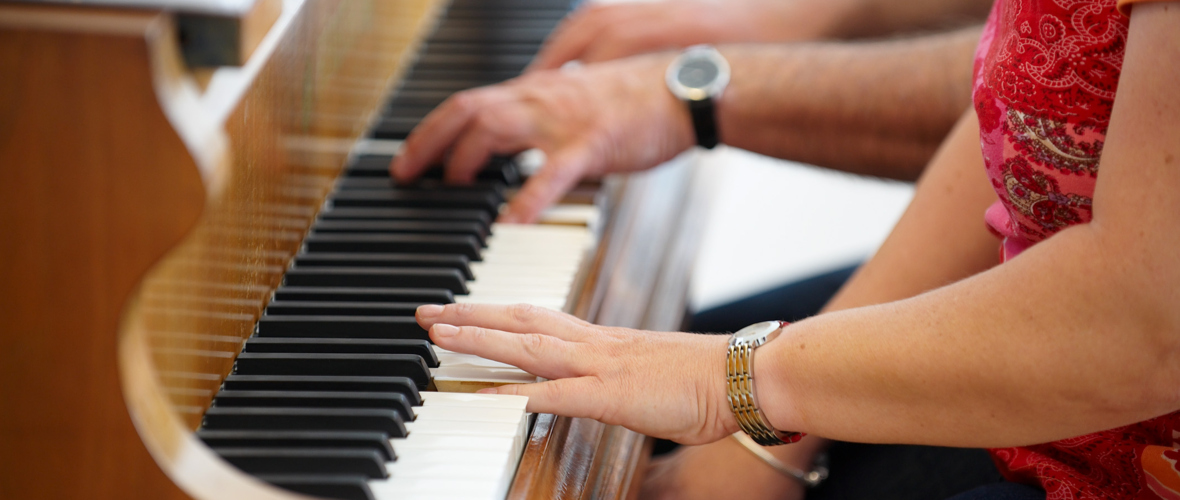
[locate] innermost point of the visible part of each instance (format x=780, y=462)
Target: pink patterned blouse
x=1046, y=73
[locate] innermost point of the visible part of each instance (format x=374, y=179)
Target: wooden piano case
x=148, y=210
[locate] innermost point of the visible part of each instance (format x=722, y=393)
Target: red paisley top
x=1046, y=73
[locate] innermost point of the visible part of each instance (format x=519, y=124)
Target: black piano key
x=450, y=85
x=460, y=74
x=474, y=229
x=475, y=34
x=411, y=113
x=497, y=188
x=403, y=385
x=444, y=61
x=309, y=308
x=394, y=243
x=322, y=399
x=376, y=441
x=408, y=100
x=363, y=462
x=499, y=169
x=552, y=15
x=457, y=262
x=360, y=365
x=343, y=346
x=426, y=214
x=364, y=294
x=335, y=487
x=481, y=26
x=364, y=327
x=336, y=419
x=410, y=198
x=376, y=277
x=370, y=165
x=394, y=128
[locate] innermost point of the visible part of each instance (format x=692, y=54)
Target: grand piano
x=207, y=278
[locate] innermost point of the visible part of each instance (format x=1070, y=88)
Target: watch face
x=757, y=333
x=697, y=73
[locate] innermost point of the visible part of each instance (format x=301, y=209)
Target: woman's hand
x=667, y=385
x=590, y=121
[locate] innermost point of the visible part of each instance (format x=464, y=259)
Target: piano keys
x=241, y=244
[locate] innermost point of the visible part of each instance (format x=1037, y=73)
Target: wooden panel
x=84, y=149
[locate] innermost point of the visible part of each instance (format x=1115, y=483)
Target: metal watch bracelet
x=740, y=385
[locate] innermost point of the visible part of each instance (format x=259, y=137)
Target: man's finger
x=569, y=39
x=563, y=170
x=429, y=141
x=502, y=129
x=519, y=318
x=539, y=354
x=625, y=39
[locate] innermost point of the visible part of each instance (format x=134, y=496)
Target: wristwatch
x=698, y=76
x=740, y=383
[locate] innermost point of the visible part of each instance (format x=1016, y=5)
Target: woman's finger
x=518, y=318
x=539, y=354
x=581, y=397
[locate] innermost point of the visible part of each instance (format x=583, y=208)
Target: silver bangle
x=809, y=479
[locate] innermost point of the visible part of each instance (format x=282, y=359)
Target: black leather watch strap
x=704, y=122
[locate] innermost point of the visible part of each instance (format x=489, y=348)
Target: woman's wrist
x=772, y=383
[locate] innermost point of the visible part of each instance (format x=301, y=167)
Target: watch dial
x=697, y=73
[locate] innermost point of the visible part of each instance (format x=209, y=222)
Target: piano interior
x=209, y=278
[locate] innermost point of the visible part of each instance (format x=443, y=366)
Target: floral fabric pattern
x=1046, y=75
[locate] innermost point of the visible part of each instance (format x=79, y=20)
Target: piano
x=208, y=278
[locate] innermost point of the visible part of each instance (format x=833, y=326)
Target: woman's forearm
x=1077, y=334
x=878, y=108
x=1028, y=352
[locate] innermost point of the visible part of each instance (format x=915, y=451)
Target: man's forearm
x=877, y=108
x=875, y=18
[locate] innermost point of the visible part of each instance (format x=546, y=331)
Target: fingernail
x=489, y=390
x=442, y=330
x=429, y=311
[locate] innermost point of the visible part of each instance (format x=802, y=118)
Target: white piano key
x=583, y=215
x=397, y=488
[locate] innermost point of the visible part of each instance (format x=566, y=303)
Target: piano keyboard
x=336, y=393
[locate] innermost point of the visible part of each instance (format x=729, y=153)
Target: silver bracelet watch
x=740, y=384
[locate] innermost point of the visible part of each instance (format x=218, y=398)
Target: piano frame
x=145, y=223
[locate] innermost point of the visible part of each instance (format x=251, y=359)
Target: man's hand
x=668, y=385
x=613, y=117
x=597, y=33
